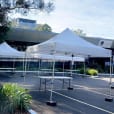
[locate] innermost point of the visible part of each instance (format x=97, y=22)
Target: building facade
x=25, y=23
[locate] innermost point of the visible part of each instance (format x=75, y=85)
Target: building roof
x=103, y=42
x=27, y=35
x=35, y=36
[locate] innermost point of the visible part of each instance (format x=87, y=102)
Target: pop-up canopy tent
x=7, y=51
x=68, y=43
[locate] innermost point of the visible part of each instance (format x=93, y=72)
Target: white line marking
x=89, y=89
x=93, y=106
x=48, y=89
x=26, y=85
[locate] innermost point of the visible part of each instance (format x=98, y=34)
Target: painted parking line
x=90, y=89
x=26, y=85
x=48, y=89
x=79, y=101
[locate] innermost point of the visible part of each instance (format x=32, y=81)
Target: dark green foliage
x=13, y=98
x=81, y=70
x=3, y=32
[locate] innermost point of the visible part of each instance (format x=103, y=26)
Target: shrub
x=92, y=72
x=13, y=98
x=81, y=70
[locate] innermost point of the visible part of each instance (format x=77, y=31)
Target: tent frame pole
x=72, y=63
x=112, y=87
x=25, y=66
x=51, y=102
x=84, y=69
x=110, y=99
x=63, y=68
x=52, y=80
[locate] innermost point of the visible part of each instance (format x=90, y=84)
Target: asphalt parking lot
x=87, y=97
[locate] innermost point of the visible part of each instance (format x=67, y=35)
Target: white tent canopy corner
x=7, y=51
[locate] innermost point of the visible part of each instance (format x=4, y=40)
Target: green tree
x=80, y=32
x=20, y=6
x=44, y=27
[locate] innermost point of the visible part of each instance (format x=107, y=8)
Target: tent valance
x=57, y=58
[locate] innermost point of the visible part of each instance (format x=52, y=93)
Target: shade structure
x=7, y=51
x=68, y=43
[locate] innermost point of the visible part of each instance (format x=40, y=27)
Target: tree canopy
x=44, y=27
x=79, y=32
x=20, y=6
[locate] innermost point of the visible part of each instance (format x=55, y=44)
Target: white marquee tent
x=7, y=51
x=68, y=43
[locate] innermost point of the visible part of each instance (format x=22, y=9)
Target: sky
x=94, y=17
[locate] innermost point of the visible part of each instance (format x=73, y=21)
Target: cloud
x=95, y=17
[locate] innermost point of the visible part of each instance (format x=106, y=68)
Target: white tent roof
x=8, y=51
x=68, y=43
x=57, y=58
